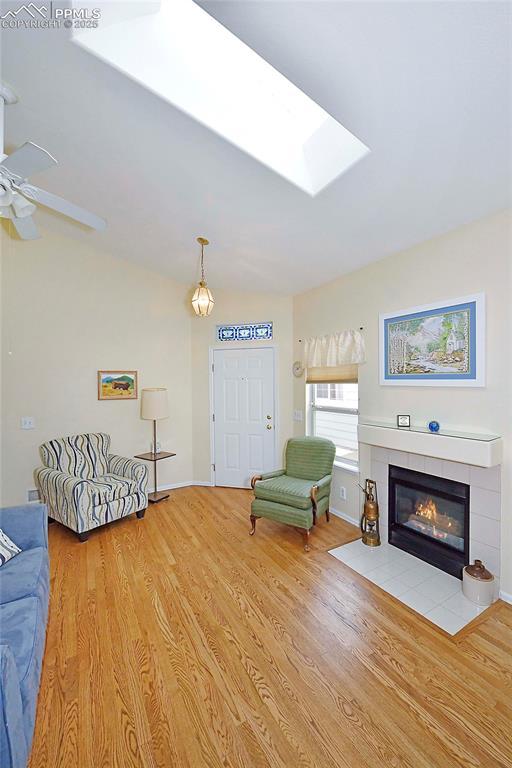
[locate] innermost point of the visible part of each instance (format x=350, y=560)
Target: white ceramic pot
x=479, y=591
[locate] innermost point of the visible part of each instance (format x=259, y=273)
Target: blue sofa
x=24, y=591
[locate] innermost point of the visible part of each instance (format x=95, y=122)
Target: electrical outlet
x=27, y=422
x=298, y=415
x=33, y=494
x=343, y=493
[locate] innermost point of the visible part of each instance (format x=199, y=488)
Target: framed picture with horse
x=117, y=385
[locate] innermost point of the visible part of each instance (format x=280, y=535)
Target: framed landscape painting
x=117, y=385
x=440, y=344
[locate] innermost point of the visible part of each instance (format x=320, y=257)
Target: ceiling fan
x=18, y=195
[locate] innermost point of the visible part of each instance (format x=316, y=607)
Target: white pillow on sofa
x=8, y=548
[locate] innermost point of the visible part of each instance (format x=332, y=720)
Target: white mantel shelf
x=478, y=450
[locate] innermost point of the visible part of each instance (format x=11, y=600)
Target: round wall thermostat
x=298, y=369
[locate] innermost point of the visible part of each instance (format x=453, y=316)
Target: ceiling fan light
x=22, y=207
x=5, y=195
x=202, y=300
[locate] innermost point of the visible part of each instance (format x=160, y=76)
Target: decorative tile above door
x=245, y=332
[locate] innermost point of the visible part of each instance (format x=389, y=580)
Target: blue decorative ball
x=433, y=426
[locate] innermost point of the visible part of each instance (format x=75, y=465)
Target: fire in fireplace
x=429, y=517
x=440, y=525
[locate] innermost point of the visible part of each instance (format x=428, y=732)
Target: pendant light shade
x=202, y=300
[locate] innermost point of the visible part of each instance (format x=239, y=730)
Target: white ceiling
x=427, y=86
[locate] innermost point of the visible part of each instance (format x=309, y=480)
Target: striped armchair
x=85, y=486
x=298, y=494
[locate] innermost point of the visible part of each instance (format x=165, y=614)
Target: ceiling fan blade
x=27, y=160
x=57, y=203
x=26, y=228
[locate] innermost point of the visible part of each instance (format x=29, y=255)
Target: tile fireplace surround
x=484, y=501
x=428, y=590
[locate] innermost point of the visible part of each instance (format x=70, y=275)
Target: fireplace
x=429, y=517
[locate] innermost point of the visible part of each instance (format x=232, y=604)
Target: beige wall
x=476, y=258
x=239, y=308
x=69, y=310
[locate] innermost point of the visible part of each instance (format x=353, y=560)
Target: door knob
x=269, y=426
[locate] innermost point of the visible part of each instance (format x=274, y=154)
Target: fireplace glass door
x=432, y=515
x=429, y=517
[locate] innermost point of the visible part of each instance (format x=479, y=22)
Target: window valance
x=334, y=357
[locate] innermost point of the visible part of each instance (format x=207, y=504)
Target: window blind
x=339, y=374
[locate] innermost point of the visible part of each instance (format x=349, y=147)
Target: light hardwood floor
x=179, y=641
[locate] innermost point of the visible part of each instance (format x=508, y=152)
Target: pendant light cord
x=202, y=262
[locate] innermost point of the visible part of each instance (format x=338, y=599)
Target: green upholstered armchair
x=298, y=494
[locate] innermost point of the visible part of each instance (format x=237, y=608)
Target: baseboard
x=505, y=596
x=344, y=516
x=172, y=486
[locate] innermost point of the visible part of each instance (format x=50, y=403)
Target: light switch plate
x=298, y=415
x=27, y=422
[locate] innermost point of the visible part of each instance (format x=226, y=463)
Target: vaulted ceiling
x=427, y=86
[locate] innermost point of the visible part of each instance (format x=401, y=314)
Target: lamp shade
x=154, y=403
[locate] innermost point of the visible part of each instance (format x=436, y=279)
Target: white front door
x=244, y=423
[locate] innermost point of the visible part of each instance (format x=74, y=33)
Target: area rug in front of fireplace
x=425, y=589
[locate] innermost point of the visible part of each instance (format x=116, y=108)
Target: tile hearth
x=430, y=592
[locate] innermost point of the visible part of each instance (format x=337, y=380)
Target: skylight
x=188, y=58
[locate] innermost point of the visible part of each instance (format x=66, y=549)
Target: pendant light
x=202, y=300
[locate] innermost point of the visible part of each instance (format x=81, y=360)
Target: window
x=334, y=415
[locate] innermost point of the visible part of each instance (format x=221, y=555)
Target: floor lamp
x=155, y=406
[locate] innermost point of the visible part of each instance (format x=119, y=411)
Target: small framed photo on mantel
x=403, y=421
